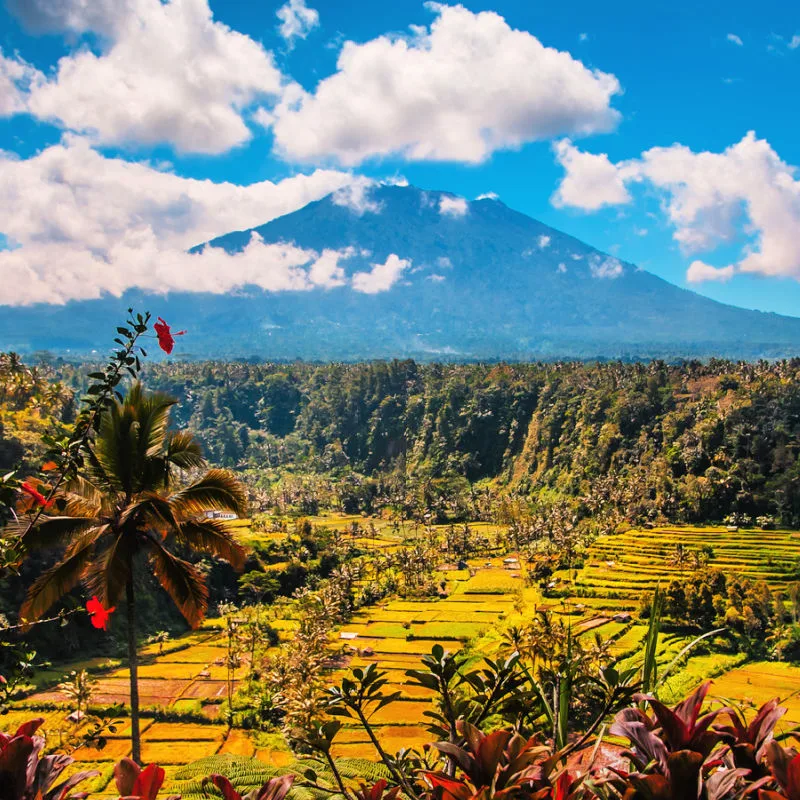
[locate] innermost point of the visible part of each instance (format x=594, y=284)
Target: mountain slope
x=480, y=281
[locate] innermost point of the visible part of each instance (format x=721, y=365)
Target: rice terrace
x=183, y=683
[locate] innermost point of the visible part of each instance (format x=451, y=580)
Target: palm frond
x=150, y=510
x=152, y=411
x=214, y=537
x=51, y=531
x=55, y=582
x=182, y=581
x=108, y=575
x=217, y=490
x=184, y=451
x=110, y=449
x=93, y=493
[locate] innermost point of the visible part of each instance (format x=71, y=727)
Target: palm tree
x=129, y=506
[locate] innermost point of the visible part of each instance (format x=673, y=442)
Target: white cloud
x=453, y=206
x=640, y=231
x=16, y=78
x=605, y=266
x=165, y=72
x=82, y=224
x=543, y=242
x=381, y=277
x=444, y=262
x=458, y=91
x=734, y=39
x=434, y=277
x=488, y=196
x=74, y=16
x=713, y=198
x=297, y=20
x=591, y=182
x=562, y=267
x=356, y=197
x=326, y=272
x=794, y=42
x=583, y=37
x=52, y=273
x=700, y=272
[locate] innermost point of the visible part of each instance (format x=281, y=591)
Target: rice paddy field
x=189, y=675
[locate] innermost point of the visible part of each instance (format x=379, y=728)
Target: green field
x=189, y=676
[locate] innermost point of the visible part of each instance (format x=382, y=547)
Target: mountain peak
x=389, y=270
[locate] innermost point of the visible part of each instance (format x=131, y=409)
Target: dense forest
x=692, y=442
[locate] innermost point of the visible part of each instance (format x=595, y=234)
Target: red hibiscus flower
x=31, y=490
x=98, y=614
x=166, y=338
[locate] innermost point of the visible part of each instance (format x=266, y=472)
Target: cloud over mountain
x=457, y=91
x=709, y=199
x=81, y=224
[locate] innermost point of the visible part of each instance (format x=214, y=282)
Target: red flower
x=98, y=614
x=166, y=339
x=30, y=489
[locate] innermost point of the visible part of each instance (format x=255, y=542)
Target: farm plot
x=190, y=673
x=758, y=682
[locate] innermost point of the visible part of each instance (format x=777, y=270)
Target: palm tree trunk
x=133, y=666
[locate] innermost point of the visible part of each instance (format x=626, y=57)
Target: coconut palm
x=129, y=506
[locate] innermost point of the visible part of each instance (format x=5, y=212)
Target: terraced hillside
x=622, y=566
x=187, y=681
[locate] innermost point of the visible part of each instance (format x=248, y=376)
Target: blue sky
x=690, y=80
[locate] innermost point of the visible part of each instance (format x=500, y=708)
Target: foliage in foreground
x=677, y=753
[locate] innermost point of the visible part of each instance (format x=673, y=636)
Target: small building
x=224, y=515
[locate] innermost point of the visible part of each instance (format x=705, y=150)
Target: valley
x=183, y=683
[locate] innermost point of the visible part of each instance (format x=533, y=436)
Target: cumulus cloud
x=605, y=267
x=326, y=271
x=734, y=39
x=457, y=91
x=591, y=182
x=543, y=242
x=488, y=196
x=356, y=197
x=297, y=20
x=699, y=272
x=381, y=277
x=81, y=224
x=163, y=72
x=139, y=259
x=453, y=206
x=16, y=78
x=713, y=198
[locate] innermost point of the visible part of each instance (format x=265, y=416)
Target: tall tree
x=132, y=504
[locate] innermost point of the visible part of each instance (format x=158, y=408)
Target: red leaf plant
x=784, y=764
x=139, y=783
x=27, y=775
x=377, y=791
x=273, y=789
x=501, y=765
